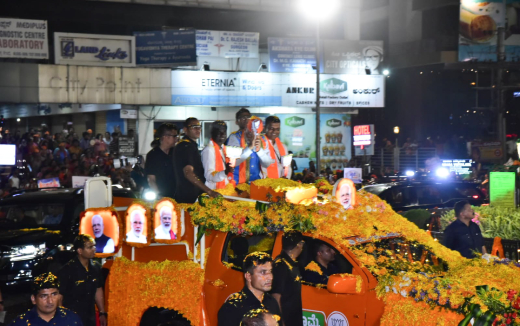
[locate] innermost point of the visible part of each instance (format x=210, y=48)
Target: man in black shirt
x=464, y=235
x=159, y=162
x=82, y=283
x=189, y=171
x=287, y=287
x=324, y=255
x=258, y=281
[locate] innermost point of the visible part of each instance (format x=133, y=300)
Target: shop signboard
x=166, y=48
x=458, y=166
x=296, y=55
x=23, y=38
x=128, y=114
x=486, y=151
x=352, y=57
x=126, y=146
x=94, y=50
x=227, y=44
x=363, y=140
x=212, y=88
x=502, y=189
x=478, y=25
x=103, y=85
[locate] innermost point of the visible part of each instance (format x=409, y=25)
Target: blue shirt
x=254, y=160
x=62, y=317
x=464, y=239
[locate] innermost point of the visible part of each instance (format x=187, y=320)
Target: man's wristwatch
x=103, y=314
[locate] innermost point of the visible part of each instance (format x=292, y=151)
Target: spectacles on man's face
x=196, y=127
x=171, y=135
x=244, y=118
x=372, y=57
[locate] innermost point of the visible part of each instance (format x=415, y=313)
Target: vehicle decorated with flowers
x=392, y=273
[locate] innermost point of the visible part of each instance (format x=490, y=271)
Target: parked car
x=36, y=229
x=403, y=196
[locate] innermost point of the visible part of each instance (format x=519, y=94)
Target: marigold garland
x=154, y=284
x=312, y=266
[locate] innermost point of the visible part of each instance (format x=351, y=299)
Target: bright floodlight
x=386, y=72
x=442, y=172
x=149, y=195
x=409, y=173
x=318, y=9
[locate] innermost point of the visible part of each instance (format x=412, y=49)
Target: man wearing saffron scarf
x=249, y=165
x=216, y=169
x=276, y=149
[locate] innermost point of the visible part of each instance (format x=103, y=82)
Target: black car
x=403, y=196
x=37, y=228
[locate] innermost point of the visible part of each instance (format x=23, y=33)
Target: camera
x=126, y=161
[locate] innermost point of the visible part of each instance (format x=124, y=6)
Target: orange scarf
x=219, y=164
x=242, y=168
x=272, y=170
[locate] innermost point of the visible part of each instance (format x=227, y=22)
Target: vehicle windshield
x=376, y=190
x=397, y=255
x=30, y=216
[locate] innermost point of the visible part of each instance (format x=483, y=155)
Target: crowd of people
x=64, y=155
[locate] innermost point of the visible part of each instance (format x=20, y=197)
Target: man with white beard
x=104, y=244
x=164, y=231
x=135, y=235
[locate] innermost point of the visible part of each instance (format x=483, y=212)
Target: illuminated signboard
x=458, y=166
x=363, y=135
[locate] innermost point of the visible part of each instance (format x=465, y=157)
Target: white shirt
x=131, y=237
x=15, y=182
x=107, y=141
x=278, y=159
x=109, y=247
x=161, y=233
x=208, y=162
x=263, y=155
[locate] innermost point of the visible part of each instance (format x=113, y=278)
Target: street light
x=396, y=132
x=318, y=10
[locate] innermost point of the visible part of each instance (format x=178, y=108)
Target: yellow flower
x=312, y=266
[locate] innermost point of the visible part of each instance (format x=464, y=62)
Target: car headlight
x=26, y=252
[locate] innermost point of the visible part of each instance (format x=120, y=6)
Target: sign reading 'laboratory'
x=212, y=88
x=23, y=38
x=94, y=50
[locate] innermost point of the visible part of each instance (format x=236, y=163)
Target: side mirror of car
x=345, y=284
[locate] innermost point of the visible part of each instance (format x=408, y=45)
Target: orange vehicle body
x=362, y=308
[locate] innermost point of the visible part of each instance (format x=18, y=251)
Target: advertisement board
x=292, y=55
x=212, y=88
x=166, y=48
x=486, y=151
x=478, y=24
x=364, y=135
x=336, y=140
x=227, y=44
x=23, y=38
x=502, y=189
x=298, y=55
x=94, y=50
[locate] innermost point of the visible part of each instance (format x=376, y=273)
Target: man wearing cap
x=136, y=233
x=164, y=231
x=216, y=169
x=249, y=165
x=45, y=298
x=276, y=149
x=189, y=171
x=82, y=282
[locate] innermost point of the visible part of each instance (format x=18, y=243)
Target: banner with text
x=212, y=88
x=166, y=48
x=94, y=50
x=227, y=44
x=296, y=55
x=23, y=38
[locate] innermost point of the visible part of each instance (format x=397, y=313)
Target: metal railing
x=400, y=159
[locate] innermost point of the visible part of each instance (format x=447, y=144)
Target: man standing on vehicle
x=324, y=255
x=82, y=283
x=249, y=165
x=189, y=171
x=275, y=148
x=216, y=169
x=464, y=235
x=45, y=298
x=287, y=286
x=159, y=161
x=258, y=281
x=104, y=244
